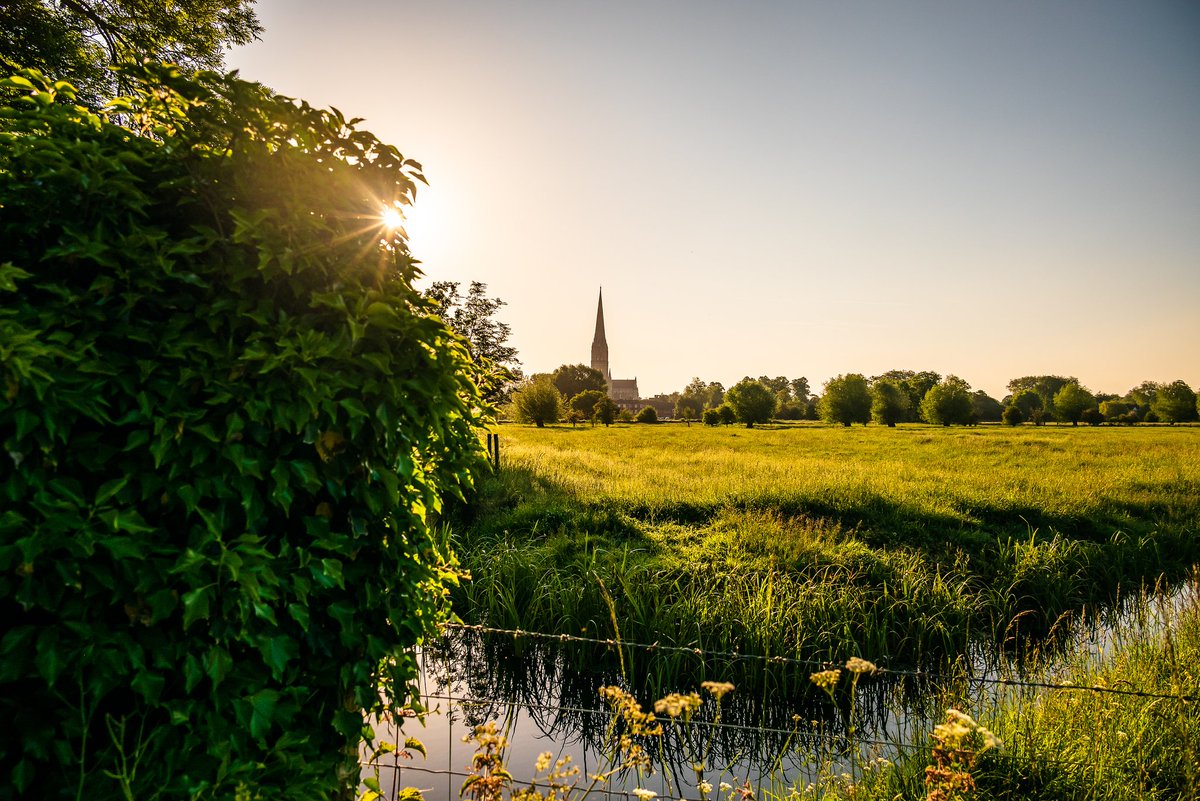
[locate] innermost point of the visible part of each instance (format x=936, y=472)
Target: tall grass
x=894, y=544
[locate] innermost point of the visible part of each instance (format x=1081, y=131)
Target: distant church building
x=623, y=391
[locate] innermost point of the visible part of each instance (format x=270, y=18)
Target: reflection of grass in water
x=1055, y=744
x=821, y=542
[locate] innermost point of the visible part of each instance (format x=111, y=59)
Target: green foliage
x=1029, y=402
x=915, y=384
x=698, y=396
x=605, y=411
x=985, y=407
x=585, y=402
x=889, y=403
x=1071, y=402
x=647, y=415
x=1012, y=415
x=571, y=379
x=1174, y=403
x=1045, y=387
x=75, y=41
x=847, y=400
x=226, y=417
x=473, y=317
x=538, y=402
x=948, y=403
x=752, y=402
x=710, y=417
x=726, y=414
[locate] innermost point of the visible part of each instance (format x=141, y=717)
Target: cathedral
x=623, y=391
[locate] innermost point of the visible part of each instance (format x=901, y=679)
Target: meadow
x=899, y=545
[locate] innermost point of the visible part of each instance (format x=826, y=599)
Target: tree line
x=576, y=393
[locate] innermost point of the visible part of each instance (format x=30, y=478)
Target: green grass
x=894, y=544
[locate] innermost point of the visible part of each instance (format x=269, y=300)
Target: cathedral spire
x=599, y=343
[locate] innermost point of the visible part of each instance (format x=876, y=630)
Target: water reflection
x=775, y=730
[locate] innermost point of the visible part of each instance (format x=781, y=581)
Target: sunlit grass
x=810, y=540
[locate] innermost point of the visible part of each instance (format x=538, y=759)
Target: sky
x=795, y=188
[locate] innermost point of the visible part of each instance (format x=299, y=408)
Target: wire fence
x=837, y=743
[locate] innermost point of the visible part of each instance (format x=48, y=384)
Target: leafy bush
x=726, y=414
x=711, y=417
x=1012, y=415
x=538, y=402
x=647, y=415
x=226, y=416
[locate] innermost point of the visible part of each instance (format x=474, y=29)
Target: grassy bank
x=894, y=544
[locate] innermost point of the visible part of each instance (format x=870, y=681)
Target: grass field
x=893, y=544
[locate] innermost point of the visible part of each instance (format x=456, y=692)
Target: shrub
x=711, y=417
x=537, y=402
x=226, y=416
x=948, y=403
x=726, y=415
x=1012, y=415
x=647, y=415
x=1092, y=417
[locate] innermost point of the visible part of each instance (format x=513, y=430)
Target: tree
x=889, y=403
x=538, y=402
x=1030, y=404
x=1115, y=409
x=1046, y=387
x=585, y=402
x=800, y=390
x=948, y=403
x=915, y=385
x=1175, y=403
x=605, y=411
x=987, y=409
x=647, y=415
x=1142, y=397
x=698, y=396
x=228, y=422
x=752, y=402
x=847, y=400
x=726, y=415
x=76, y=40
x=473, y=318
x=571, y=379
x=1012, y=415
x=710, y=418
x=1071, y=402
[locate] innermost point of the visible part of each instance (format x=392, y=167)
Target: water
x=544, y=696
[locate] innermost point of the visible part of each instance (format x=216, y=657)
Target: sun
x=392, y=218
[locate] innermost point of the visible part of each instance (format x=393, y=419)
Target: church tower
x=599, y=343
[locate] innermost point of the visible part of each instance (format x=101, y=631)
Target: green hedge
x=225, y=416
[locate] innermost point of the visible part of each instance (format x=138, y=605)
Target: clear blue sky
x=990, y=189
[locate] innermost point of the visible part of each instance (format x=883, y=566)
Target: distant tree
x=1114, y=410
x=776, y=385
x=538, y=402
x=788, y=409
x=1071, y=401
x=987, y=409
x=647, y=415
x=1175, y=403
x=625, y=416
x=847, y=400
x=800, y=390
x=948, y=403
x=1012, y=415
x=698, y=396
x=710, y=417
x=752, y=401
x=571, y=379
x=1046, y=387
x=1091, y=416
x=574, y=417
x=915, y=385
x=1142, y=397
x=726, y=415
x=1030, y=404
x=585, y=402
x=889, y=403
x=605, y=411
x=77, y=40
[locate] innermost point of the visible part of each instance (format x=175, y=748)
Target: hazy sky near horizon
x=791, y=188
